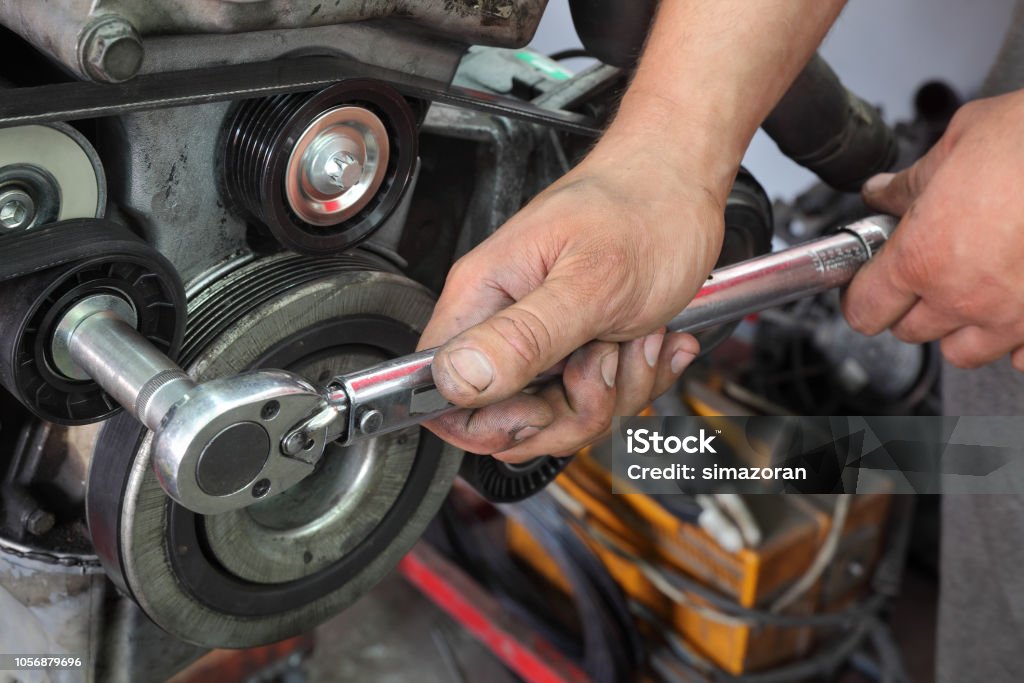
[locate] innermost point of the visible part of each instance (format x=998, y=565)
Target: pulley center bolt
x=344, y=170
x=335, y=164
x=17, y=210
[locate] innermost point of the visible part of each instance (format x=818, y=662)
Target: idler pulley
x=321, y=171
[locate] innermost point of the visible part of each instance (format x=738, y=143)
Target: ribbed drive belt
x=69, y=242
x=84, y=100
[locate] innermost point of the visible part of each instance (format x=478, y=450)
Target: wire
x=826, y=553
x=678, y=587
x=571, y=53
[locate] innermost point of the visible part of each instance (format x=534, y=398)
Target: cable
x=571, y=53
x=676, y=586
x=821, y=561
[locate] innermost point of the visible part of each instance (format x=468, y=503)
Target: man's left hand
x=954, y=269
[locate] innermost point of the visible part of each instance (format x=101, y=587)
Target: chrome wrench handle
x=400, y=393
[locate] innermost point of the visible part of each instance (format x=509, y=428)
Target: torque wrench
x=401, y=392
x=224, y=444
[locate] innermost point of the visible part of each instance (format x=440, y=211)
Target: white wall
x=882, y=50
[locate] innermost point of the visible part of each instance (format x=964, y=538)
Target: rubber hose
x=827, y=129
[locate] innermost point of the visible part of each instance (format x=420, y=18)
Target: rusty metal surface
x=57, y=610
x=65, y=29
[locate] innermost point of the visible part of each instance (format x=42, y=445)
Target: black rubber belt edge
x=68, y=242
x=84, y=100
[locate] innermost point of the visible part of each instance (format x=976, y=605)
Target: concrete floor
x=395, y=635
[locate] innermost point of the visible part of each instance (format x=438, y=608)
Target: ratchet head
x=226, y=444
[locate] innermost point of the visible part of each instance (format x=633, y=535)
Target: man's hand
x=954, y=269
x=621, y=244
x=610, y=253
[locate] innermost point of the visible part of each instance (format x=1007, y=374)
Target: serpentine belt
x=71, y=241
x=83, y=100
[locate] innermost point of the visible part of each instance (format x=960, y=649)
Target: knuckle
x=524, y=332
x=958, y=123
x=594, y=424
x=458, y=428
x=958, y=357
x=967, y=112
x=1017, y=360
x=465, y=271
x=915, y=265
x=855, y=317
x=906, y=334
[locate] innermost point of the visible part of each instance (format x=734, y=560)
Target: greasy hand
x=954, y=269
x=588, y=272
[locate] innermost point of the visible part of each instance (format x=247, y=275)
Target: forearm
x=712, y=70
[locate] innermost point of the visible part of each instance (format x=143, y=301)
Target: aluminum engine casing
x=69, y=30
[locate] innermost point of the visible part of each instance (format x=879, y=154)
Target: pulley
x=280, y=566
x=506, y=482
x=47, y=271
x=48, y=173
x=321, y=171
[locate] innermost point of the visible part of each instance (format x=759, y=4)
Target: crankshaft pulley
x=280, y=566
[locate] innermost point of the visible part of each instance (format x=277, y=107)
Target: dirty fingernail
x=473, y=367
x=525, y=433
x=609, y=366
x=680, y=359
x=652, y=347
x=879, y=182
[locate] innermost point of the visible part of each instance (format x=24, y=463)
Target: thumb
x=893, y=193
x=499, y=356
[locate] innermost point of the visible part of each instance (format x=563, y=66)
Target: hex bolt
x=110, y=50
x=17, y=210
x=370, y=421
x=344, y=170
x=39, y=522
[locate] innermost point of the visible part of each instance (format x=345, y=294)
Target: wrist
x=677, y=141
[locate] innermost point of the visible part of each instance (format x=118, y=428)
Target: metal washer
x=58, y=166
x=355, y=131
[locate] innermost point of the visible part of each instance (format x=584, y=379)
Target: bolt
x=39, y=522
x=260, y=488
x=370, y=421
x=270, y=410
x=17, y=210
x=344, y=170
x=110, y=51
x=294, y=443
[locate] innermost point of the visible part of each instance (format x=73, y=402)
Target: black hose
x=827, y=129
x=613, y=31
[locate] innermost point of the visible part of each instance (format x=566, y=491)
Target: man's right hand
x=622, y=243
x=588, y=272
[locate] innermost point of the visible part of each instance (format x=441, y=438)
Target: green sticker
x=546, y=65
